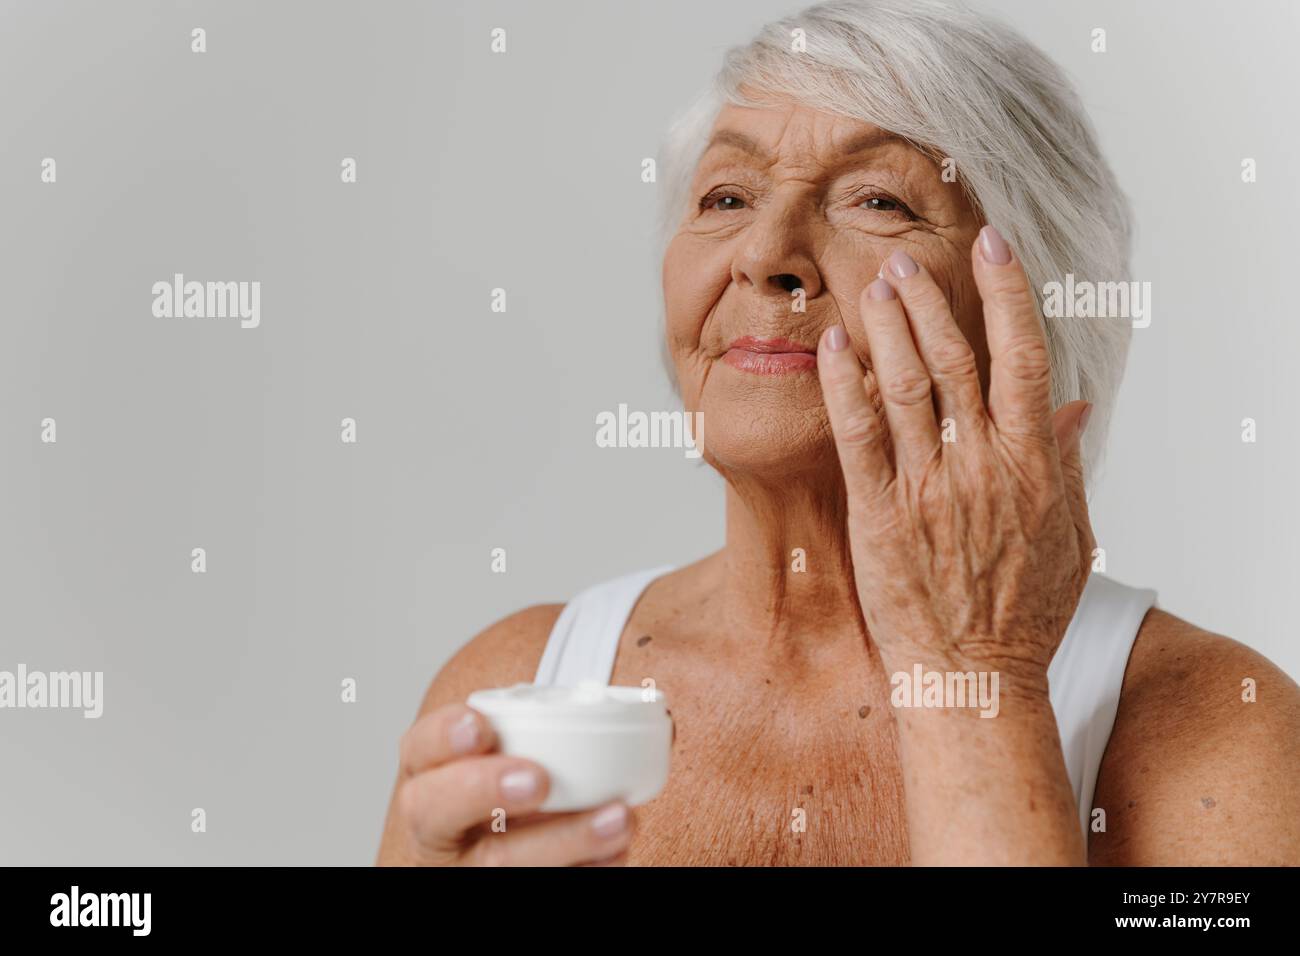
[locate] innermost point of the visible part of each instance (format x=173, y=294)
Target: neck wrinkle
x=762, y=591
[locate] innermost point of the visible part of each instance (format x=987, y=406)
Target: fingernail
x=1083, y=418
x=993, y=247
x=836, y=338
x=464, y=735
x=901, y=264
x=519, y=784
x=610, y=822
x=880, y=289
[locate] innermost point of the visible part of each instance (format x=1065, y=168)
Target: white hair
x=965, y=86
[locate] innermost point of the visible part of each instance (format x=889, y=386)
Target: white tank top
x=1084, y=677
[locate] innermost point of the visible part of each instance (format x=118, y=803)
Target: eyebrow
x=871, y=139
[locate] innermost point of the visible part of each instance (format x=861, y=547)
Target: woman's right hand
x=458, y=803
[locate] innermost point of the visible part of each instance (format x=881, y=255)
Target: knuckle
x=859, y=428
x=910, y=387
x=954, y=357
x=1028, y=359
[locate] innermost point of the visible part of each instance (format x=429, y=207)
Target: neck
x=786, y=569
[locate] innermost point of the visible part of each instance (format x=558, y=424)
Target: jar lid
x=588, y=700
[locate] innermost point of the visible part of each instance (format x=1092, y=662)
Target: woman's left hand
x=969, y=528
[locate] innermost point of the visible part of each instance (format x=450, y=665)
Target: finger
x=860, y=435
x=443, y=734
x=947, y=355
x=440, y=805
x=1020, y=400
x=591, y=837
x=901, y=376
x=1069, y=423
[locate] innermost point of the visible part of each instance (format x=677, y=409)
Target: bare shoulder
x=1203, y=765
x=505, y=653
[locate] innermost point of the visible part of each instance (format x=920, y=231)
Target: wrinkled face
x=793, y=212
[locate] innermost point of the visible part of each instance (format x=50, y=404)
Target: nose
x=775, y=255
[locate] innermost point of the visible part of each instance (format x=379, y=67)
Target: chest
x=768, y=776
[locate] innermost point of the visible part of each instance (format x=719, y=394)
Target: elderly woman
x=860, y=214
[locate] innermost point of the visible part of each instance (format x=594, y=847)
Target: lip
x=778, y=356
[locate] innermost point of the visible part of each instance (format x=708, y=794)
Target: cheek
x=849, y=265
x=695, y=275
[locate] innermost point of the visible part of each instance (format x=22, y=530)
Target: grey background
x=371, y=561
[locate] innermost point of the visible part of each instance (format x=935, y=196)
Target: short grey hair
x=965, y=86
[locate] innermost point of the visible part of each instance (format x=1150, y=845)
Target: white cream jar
x=597, y=743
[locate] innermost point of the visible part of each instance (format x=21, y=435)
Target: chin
x=768, y=439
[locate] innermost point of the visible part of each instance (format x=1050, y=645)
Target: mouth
x=770, y=356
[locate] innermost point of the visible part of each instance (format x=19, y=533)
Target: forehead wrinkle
x=860, y=148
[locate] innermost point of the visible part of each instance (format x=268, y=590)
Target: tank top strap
x=584, y=640
x=1086, y=674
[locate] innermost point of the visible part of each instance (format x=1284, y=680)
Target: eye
x=880, y=202
x=721, y=201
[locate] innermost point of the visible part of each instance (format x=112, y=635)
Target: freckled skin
x=779, y=695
